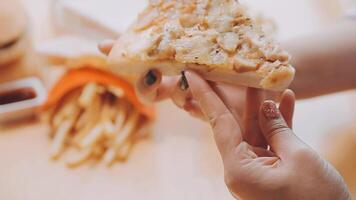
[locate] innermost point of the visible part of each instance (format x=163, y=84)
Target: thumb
x=277, y=133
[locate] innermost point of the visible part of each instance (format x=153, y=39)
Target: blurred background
x=180, y=160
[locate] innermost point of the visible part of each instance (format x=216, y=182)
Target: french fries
x=95, y=123
x=60, y=138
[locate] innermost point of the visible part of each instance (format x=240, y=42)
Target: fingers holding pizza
x=152, y=86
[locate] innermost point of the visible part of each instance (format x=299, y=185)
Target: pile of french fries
x=96, y=123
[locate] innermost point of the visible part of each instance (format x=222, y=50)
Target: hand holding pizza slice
x=215, y=38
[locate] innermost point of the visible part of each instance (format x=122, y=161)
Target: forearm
x=325, y=62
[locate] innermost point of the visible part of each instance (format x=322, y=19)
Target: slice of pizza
x=216, y=38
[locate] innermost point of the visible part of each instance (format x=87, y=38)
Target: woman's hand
x=289, y=170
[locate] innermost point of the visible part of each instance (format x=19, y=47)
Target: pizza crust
x=276, y=81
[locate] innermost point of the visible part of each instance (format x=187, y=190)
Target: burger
x=13, y=31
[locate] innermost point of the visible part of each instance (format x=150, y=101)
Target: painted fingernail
x=183, y=83
x=150, y=78
x=106, y=46
x=270, y=110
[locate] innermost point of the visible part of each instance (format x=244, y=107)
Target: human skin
x=288, y=170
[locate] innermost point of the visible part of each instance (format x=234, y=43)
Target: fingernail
x=183, y=83
x=105, y=46
x=270, y=110
x=150, y=78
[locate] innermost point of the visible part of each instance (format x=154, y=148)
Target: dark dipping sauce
x=17, y=95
